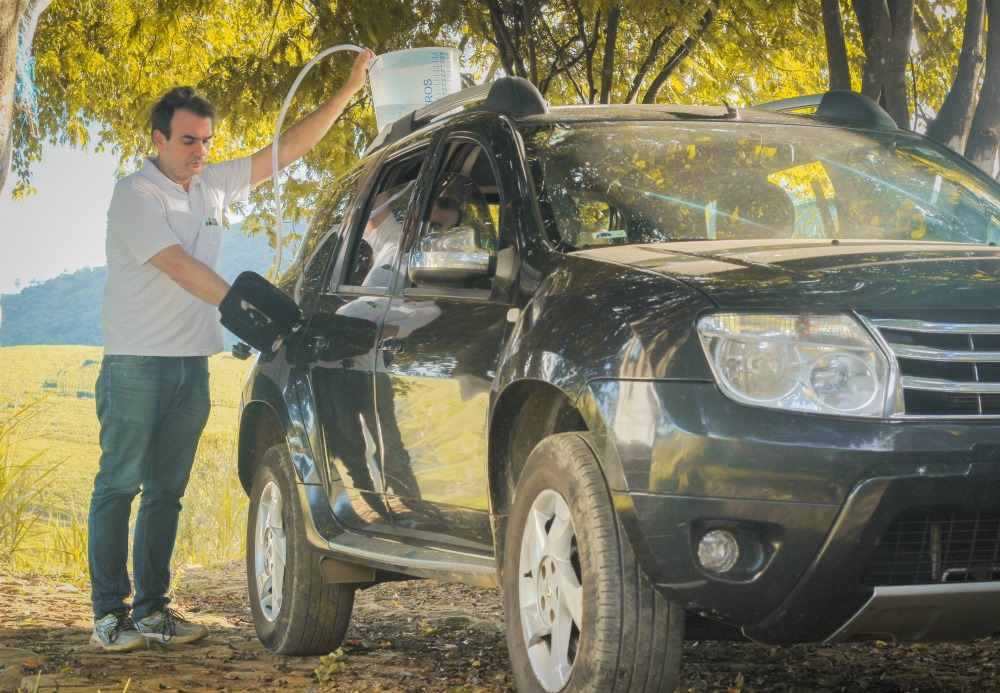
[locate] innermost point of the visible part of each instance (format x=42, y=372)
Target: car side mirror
x=449, y=256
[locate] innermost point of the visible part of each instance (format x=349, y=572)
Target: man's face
x=183, y=155
x=442, y=218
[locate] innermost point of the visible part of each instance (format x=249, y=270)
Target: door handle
x=393, y=344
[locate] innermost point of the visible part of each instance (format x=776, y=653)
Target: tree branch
x=655, y=48
x=683, y=51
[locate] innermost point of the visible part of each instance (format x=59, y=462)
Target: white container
x=403, y=81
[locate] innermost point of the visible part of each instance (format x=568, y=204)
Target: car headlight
x=825, y=364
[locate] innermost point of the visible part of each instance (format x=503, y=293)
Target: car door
x=341, y=344
x=438, y=351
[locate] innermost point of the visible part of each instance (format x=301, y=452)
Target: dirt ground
x=413, y=636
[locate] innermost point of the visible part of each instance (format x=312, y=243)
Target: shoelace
x=122, y=621
x=168, y=625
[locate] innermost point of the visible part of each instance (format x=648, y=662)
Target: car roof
x=520, y=100
x=646, y=112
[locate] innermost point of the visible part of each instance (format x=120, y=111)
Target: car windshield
x=641, y=182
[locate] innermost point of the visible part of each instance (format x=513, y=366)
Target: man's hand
x=192, y=275
x=304, y=134
x=359, y=72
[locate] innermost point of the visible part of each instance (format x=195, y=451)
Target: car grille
x=947, y=369
x=926, y=546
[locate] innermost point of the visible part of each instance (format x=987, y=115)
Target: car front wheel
x=580, y=614
x=294, y=610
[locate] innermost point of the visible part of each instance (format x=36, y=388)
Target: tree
x=886, y=31
x=104, y=61
x=836, y=46
x=953, y=120
x=101, y=63
x=984, y=133
x=18, y=19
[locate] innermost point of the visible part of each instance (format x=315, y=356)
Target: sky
x=61, y=227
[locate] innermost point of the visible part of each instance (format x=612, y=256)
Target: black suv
x=643, y=368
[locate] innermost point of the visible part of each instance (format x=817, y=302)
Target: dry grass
x=52, y=448
x=23, y=481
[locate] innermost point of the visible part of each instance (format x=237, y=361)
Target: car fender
x=262, y=397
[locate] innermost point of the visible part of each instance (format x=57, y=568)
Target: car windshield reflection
x=603, y=184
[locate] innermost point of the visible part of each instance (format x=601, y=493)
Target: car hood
x=851, y=274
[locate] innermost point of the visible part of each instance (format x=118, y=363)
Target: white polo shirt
x=145, y=312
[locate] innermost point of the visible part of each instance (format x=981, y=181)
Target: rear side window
x=373, y=259
x=325, y=235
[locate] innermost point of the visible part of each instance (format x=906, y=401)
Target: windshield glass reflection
x=627, y=183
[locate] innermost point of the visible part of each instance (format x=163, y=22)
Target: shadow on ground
x=413, y=636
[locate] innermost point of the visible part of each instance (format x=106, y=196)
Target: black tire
x=294, y=610
x=575, y=558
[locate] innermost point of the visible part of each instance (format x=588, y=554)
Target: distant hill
x=67, y=309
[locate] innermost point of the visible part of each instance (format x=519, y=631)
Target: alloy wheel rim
x=270, y=551
x=550, y=590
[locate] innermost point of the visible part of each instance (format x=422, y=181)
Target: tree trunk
x=951, y=126
x=836, y=46
x=894, y=82
x=876, y=35
x=510, y=58
x=11, y=12
x=608, y=68
x=985, y=131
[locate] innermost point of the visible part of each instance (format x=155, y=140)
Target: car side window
x=464, y=208
x=324, y=236
x=373, y=259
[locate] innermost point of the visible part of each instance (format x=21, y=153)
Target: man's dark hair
x=184, y=98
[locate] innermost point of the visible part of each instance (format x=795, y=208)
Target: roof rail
x=836, y=105
x=513, y=96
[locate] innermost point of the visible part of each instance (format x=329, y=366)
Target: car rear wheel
x=294, y=610
x=580, y=614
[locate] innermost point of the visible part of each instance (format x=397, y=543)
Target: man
x=160, y=326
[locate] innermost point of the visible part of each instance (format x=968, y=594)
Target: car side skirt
x=389, y=554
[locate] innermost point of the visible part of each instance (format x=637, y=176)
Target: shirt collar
x=152, y=172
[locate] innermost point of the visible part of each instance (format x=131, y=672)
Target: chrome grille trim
x=934, y=327
x=934, y=385
x=945, y=369
x=929, y=354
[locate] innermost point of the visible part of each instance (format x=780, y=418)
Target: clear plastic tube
x=276, y=268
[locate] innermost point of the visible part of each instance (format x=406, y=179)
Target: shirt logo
x=211, y=221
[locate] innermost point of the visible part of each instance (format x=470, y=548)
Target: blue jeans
x=152, y=410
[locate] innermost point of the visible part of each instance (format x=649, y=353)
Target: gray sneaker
x=115, y=631
x=168, y=626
